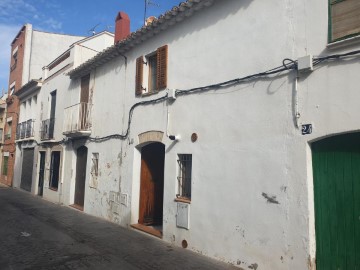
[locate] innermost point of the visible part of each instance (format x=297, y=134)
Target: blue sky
x=75, y=17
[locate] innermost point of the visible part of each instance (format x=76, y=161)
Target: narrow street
x=36, y=234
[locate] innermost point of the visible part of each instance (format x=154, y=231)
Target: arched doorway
x=81, y=160
x=152, y=185
x=336, y=172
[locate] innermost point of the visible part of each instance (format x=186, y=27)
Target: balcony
x=25, y=130
x=47, y=129
x=77, y=120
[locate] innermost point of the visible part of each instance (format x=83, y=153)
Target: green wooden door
x=336, y=169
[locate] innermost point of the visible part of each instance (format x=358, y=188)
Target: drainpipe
x=297, y=113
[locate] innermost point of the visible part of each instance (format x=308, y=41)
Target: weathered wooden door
x=81, y=159
x=41, y=173
x=152, y=184
x=336, y=170
x=52, y=115
x=27, y=169
x=84, y=100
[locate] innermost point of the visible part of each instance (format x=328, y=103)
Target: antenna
x=148, y=3
x=92, y=30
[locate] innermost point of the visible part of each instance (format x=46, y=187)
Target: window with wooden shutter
x=155, y=71
x=344, y=19
x=139, y=76
x=162, y=58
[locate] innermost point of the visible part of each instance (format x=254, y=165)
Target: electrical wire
x=131, y=111
x=318, y=60
x=287, y=65
x=284, y=67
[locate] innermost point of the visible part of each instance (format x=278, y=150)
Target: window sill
x=183, y=200
x=344, y=43
x=146, y=94
x=149, y=94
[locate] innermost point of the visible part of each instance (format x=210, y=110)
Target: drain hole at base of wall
x=184, y=244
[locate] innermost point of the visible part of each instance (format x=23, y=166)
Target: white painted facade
x=252, y=189
x=27, y=134
x=35, y=44
x=55, y=79
x=38, y=42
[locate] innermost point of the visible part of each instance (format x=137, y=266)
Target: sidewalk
x=36, y=234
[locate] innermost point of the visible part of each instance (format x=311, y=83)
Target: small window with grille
x=95, y=165
x=184, y=176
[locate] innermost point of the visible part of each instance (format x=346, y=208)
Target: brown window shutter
x=345, y=18
x=162, y=59
x=139, y=76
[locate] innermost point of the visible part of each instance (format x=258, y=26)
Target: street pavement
x=38, y=235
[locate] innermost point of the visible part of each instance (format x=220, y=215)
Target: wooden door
x=152, y=184
x=27, y=169
x=84, y=93
x=41, y=173
x=336, y=170
x=84, y=102
x=52, y=115
x=81, y=159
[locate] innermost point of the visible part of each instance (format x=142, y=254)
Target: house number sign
x=306, y=129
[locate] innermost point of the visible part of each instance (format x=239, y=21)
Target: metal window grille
x=95, y=165
x=54, y=170
x=18, y=131
x=47, y=129
x=5, y=165
x=184, y=175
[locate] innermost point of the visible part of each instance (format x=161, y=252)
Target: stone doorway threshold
x=153, y=230
x=78, y=207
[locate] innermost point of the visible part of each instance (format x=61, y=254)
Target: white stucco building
x=224, y=127
x=57, y=91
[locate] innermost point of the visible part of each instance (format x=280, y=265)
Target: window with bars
x=54, y=170
x=9, y=129
x=5, y=165
x=184, y=176
x=156, y=68
x=344, y=19
x=95, y=165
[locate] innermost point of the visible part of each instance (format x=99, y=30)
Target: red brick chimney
x=122, y=26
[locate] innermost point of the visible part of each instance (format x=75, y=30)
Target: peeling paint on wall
x=311, y=263
x=253, y=266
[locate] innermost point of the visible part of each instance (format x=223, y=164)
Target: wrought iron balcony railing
x=25, y=129
x=47, y=129
x=77, y=118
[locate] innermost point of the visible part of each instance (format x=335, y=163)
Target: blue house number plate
x=306, y=129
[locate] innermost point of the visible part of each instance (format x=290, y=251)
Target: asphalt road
x=36, y=234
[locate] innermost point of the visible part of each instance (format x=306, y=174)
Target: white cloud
x=14, y=10
x=8, y=33
x=53, y=24
x=21, y=11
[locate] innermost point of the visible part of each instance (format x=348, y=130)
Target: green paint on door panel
x=336, y=170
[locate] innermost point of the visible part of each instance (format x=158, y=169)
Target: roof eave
x=28, y=89
x=168, y=19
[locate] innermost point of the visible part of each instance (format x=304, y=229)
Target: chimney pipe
x=122, y=26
